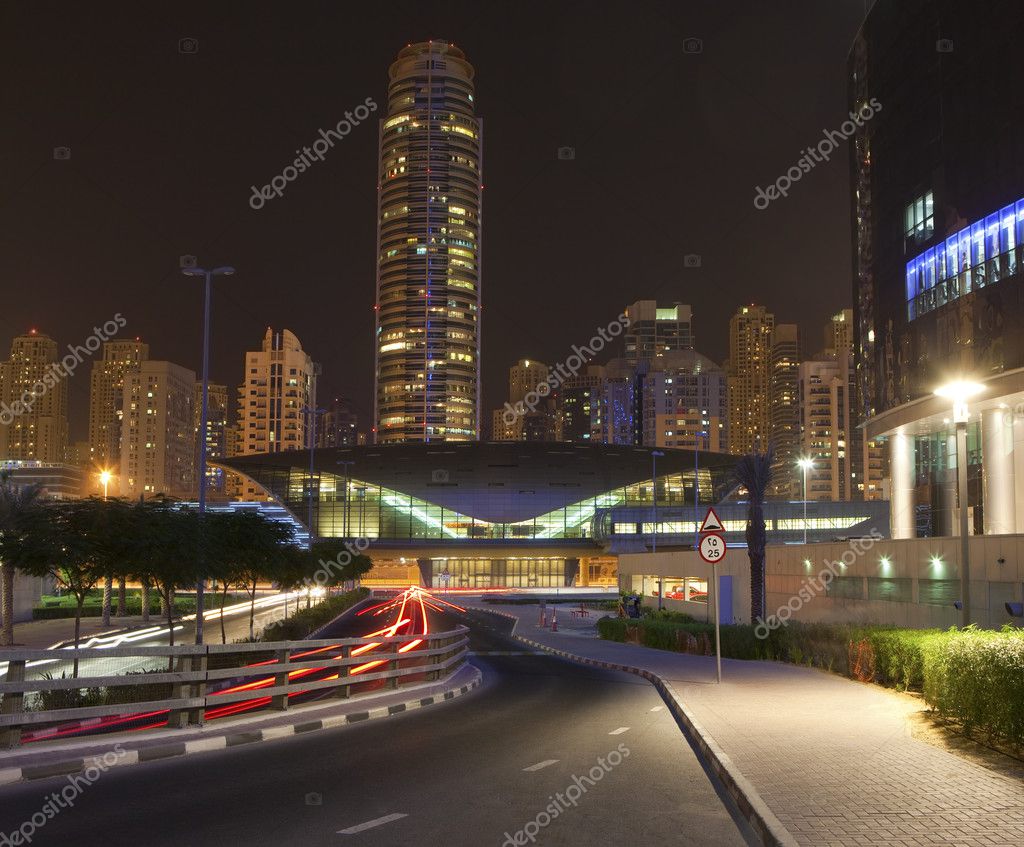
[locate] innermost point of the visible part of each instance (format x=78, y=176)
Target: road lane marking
x=362, y=827
x=619, y=731
x=539, y=765
x=657, y=708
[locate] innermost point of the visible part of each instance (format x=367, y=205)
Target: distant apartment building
x=33, y=402
x=277, y=387
x=158, y=443
x=846, y=466
x=784, y=410
x=216, y=433
x=528, y=415
x=340, y=425
x=749, y=379
x=106, y=402
x=684, y=403
x=655, y=330
x=602, y=405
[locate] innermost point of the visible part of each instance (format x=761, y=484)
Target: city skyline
x=337, y=194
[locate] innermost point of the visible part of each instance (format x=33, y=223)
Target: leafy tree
x=754, y=472
x=164, y=551
x=337, y=564
x=16, y=504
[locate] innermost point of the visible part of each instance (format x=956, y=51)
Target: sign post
x=712, y=550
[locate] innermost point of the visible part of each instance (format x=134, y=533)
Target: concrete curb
x=174, y=749
x=767, y=826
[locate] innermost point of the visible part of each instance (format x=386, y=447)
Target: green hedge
x=975, y=677
x=306, y=621
x=93, y=607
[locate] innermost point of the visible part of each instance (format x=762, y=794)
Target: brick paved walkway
x=833, y=759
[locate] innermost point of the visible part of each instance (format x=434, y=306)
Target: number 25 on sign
x=712, y=548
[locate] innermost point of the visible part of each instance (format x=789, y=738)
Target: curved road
x=567, y=754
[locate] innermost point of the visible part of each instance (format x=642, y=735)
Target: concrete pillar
x=997, y=473
x=1017, y=429
x=426, y=567
x=901, y=469
x=944, y=520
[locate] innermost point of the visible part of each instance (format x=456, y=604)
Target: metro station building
x=523, y=514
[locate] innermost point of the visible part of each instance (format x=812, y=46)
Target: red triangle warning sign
x=711, y=522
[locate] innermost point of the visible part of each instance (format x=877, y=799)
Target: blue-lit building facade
x=938, y=227
x=521, y=514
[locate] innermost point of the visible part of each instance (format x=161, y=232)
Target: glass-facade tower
x=427, y=340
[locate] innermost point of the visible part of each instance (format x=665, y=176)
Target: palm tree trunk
x=144, y=592
x=223, y=598
x=80, y=601
x=7, y=604
x=122, y=598
x=252, y=610
x=108, y=593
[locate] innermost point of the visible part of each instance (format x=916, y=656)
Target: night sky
x=165, y=145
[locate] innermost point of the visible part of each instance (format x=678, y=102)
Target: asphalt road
x=567, y=754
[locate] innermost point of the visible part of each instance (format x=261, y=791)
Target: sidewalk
x=833, y=759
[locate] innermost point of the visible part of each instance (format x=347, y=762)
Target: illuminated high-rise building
x=158, y=439
x=278, y=385
x=784, y=415
x=33, y=402
x=427, y=340
x=656, y=330
x=106, y=401
x=749, y=379
x=216, y=432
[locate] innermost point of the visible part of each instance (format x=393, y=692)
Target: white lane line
x=539, y=765
x=657, y=708
x=619, y=731
x=362, y=827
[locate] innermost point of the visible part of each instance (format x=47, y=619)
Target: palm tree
x=754, y=472
x=16, y=503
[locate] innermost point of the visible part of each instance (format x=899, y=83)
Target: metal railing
x=124, y=688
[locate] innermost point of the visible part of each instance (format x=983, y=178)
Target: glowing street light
x=805, y=465
x=960, y=391
x=105, y=481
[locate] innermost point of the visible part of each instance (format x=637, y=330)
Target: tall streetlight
x=104, y=481
x=655, y=454
x=203, y=422
x=960, y=391
x=805, y=465
x=347, y=463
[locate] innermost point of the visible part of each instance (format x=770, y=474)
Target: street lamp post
x=655, y=454
x=805, y=465
x=960, y=392
x=347, y=463
x=204, y=414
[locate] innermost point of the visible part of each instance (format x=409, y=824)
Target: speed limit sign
x=712, y=548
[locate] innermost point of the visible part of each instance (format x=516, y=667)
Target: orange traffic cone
x=554, y=620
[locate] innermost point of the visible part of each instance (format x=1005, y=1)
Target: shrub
x=307, y=621
x=976, y=678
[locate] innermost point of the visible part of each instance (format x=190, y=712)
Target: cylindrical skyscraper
x=427, y=341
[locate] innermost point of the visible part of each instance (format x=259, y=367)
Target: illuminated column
x=901, y=469
x=997, y=472
x=944, y=523
x=1017, y=427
